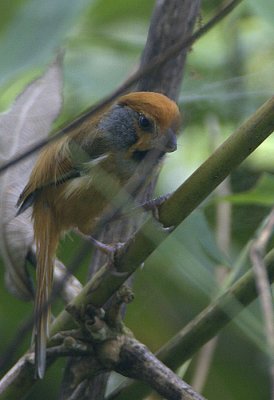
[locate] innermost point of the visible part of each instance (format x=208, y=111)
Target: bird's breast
x=81, y=202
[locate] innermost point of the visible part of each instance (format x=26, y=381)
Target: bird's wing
x=53, y=167
x=58, y=163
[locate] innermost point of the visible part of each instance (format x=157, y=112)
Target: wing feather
x=58, y=163
x=53, y=166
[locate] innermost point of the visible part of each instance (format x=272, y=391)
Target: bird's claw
x=153, y=206
x=169, y=229
x=107, y=249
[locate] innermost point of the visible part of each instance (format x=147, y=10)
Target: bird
x=75, y=177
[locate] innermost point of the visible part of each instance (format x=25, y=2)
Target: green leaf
x=193, y=254
x=261, y=194
x=198, y=237
x=109, y=11
x=264, y=8
x=36, y=30
x=7, y=10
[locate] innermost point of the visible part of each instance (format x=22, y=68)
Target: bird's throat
x=139, y=155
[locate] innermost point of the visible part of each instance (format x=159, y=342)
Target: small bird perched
x=75, y=178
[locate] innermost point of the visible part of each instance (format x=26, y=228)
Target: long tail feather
x=46, y=237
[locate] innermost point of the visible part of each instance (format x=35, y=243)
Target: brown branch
x=105, y=283
x=201, y=329
x=172, y=22
x=178, y=18
x=136, y=361
x=157, y=62
x=181, y=347
x=121, y=353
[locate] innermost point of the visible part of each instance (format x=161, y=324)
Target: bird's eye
x=144, y=122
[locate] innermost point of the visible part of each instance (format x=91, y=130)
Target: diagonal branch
x=202, y=328
x=217, y=167
x=178, y=19
x=137, y=362
x=173, y=51
x=105, y=283
x=179, y=349
x=257, y=252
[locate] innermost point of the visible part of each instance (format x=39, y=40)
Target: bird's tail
x=46, y=237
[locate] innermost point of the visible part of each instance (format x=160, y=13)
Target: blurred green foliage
x=229, y=74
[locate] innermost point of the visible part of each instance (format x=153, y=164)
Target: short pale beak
x=170, y=141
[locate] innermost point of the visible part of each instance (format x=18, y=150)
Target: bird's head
x=142, y=121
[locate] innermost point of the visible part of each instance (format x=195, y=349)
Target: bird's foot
x=111, y=250
x=108, y=249
x=153, y=206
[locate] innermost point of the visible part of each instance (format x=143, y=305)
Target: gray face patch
x=120, y=124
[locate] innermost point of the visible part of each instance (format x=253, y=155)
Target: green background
x=229, y=73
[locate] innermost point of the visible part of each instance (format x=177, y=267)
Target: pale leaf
x=28, y=121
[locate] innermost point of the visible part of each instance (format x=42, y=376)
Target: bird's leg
x=108, y=249
x=149, y=205
x=111, y=250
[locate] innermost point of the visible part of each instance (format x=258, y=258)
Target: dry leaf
x=27, y=122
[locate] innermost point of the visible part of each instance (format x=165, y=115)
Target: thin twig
x=226, y=157
x=223, y=238
x=257, y=252
x=65, y=285
x=21, y=331
x=180, y=348
x=156, y=62
x=178, y=17
x=201, y=329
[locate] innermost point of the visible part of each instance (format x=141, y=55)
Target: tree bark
x=172, y=20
